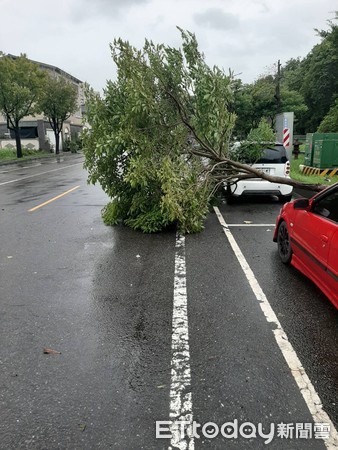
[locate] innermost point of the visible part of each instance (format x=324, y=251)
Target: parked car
x=307, y=237
x=274, y=161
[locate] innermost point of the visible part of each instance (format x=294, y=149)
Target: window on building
x=26, y=133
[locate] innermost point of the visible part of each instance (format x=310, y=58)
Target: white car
x=274, y=161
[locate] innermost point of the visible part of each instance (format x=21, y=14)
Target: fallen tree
x=160, y=139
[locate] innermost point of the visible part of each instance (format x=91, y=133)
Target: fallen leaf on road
x=161, y=386
x=248, y=221
x=82, y=426
x=50, y=351
x=138, y=256
x=9, y=257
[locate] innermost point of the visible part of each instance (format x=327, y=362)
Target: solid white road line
x=180, y=388
x=38, y=174
x=306, y=388
x=251, y=224
x=19, y=168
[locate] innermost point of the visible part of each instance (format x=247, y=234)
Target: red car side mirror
x=302, y=203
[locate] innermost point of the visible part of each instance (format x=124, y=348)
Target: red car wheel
x=284, y=245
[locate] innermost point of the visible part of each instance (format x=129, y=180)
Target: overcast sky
x=247, y=36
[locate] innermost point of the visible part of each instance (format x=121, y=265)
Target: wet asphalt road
x=103, y=297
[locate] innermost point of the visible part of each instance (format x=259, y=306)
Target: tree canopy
x=330, y=122
x=58, y=101
x=258, y=100
x=320, y=80
x=316, y=78
x=21, y=84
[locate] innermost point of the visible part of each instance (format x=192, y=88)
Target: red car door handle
x=324, y=238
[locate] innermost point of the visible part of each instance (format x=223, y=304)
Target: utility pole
x=277, y=94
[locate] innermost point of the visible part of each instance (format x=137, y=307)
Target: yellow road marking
x=52, y=199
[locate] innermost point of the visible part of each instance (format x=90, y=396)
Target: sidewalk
x=63, y=156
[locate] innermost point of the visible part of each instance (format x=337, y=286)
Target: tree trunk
x=18, y=141
x=57, y=143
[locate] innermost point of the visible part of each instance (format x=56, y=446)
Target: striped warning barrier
x=306, y=170
x=310, y=170
x=324, y=172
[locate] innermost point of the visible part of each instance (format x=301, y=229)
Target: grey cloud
x=85, y=9
x=217, y=19
x=113, y=5
x=263, y=4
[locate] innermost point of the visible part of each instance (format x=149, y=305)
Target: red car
x=307, y=237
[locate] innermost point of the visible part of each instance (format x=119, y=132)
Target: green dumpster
x=325, y=150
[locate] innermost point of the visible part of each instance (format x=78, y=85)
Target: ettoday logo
x=246, y=430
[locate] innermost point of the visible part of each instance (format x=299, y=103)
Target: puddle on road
x=140, y=328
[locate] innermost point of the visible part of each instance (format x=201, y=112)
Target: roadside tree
x=257, y=101
x=330, y=122
x=21, y=84
x=160, y=139
x=320, y=81
x=58, y=102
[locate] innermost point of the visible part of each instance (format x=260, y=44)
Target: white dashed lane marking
x=180, y=388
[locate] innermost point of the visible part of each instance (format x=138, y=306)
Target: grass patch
x=7, y=154
x=313, y=179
